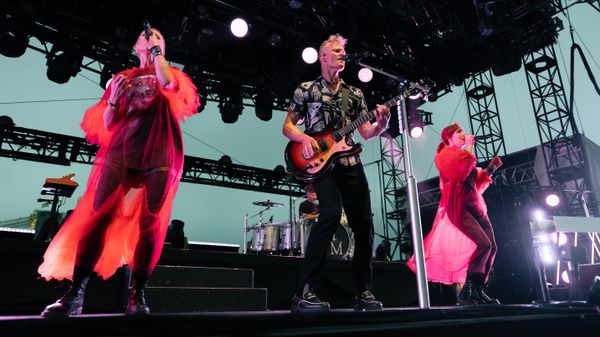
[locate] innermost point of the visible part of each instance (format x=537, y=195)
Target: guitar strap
x=344, y=107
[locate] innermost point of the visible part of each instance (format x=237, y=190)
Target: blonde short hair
x=331, y=39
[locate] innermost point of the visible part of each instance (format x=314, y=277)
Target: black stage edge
x=488, y=321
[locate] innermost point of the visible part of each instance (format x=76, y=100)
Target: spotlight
x=239, y=27
x=365, y=75
x=310, y=55
x=61, y=67
x=263, y=106
x=552, y=200
x=230, y=107
x=13, y=44
x=415, y=123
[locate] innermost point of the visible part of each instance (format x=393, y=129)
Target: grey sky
x=215, y=214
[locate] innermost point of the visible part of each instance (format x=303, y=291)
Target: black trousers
x=345, y=186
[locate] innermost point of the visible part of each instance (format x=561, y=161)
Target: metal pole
x=245, y=243
x=415, y=214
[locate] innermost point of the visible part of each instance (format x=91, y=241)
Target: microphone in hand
x=147, y=30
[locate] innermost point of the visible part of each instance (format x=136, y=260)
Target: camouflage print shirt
x=315, y=105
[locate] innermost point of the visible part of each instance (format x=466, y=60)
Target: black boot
x=485, y=299
x=137, y=302
x=71, y=303
x=468, y=294
x=479, y=280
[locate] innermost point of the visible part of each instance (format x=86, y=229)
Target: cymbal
x=268, y=204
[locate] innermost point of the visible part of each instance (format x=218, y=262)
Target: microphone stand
x=412, y=192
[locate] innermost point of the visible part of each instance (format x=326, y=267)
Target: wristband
x=156, y=51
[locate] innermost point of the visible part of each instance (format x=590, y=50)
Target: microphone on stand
x=356, y=56
x=147, y=30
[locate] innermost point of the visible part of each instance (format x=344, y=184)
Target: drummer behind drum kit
x=289, y=239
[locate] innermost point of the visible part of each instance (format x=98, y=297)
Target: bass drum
x=342, y=243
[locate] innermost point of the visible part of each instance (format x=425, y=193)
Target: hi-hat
x=268, y=203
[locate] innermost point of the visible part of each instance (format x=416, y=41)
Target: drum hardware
x=268, y=204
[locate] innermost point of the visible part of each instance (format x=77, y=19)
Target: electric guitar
x=332, y=146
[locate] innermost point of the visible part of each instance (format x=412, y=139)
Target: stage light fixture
x=295, y=4
x=63, y=66
x=263, y=106
x=365, y=75
x=415, y=123
x=552, y=200
x=111, y=68
x=230, y=107
x=13, y=44
x=310, y=55
x=239, y=27
x=275, y=40
x=6, y=121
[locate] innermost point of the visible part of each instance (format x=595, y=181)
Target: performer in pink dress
x=124, y=214
x=461, y=246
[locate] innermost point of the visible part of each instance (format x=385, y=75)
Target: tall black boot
x=137, y=302
x=468, y=294
x=71, y=303
x=480, y=284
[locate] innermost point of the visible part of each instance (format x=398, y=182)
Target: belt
x=349, y=161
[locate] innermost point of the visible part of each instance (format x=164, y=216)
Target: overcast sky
x=215, y=214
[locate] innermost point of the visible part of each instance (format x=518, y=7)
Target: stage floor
x=560, y=319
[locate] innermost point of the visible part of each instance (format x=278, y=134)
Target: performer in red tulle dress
x=461, y=246
x=124, y=214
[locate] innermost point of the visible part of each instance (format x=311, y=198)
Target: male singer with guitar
x=328, y=102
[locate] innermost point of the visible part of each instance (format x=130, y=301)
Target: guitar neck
x=363, y=119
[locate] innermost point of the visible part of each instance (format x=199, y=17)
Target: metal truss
x=560, y=139
x=484, y=117
x=397, y=220
x=53, y=148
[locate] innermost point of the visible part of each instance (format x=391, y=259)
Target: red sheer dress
x=123, y=216
x=448, y=250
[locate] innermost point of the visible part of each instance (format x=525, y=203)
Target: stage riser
x=184, y=276
x=179, y=300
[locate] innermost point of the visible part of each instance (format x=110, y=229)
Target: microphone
x=356, y=56
x=147, y=30
x=484, y=137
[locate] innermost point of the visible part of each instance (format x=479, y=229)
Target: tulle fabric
x=448, y=250
x=145, y=140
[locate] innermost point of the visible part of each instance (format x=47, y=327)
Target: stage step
x=175, y=289
x=184, y=276
x=195, y=299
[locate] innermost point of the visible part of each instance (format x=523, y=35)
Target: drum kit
x=288, y=238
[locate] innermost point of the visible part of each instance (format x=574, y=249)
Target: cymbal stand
x=248, y=228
